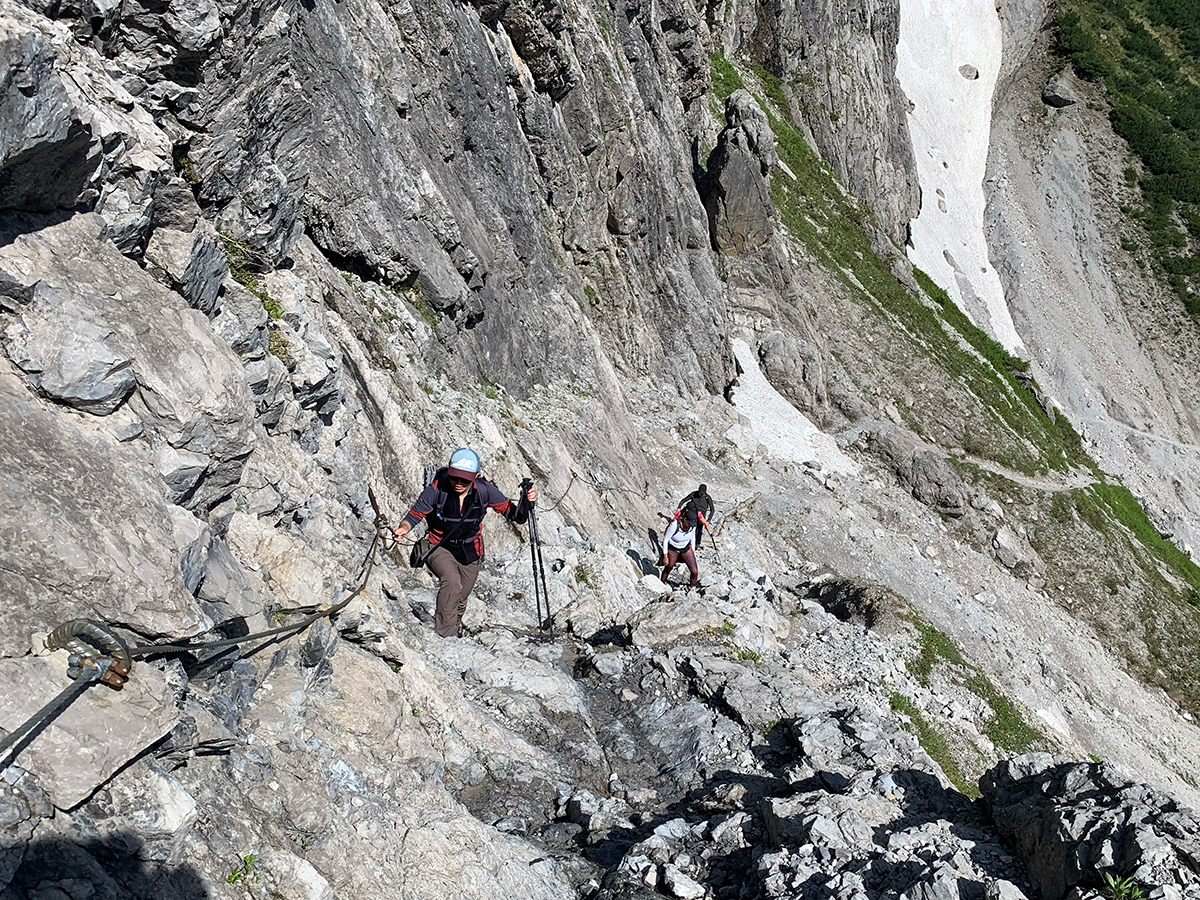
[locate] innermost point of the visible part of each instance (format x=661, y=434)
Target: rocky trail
x=1053, y=482
x=262, y=263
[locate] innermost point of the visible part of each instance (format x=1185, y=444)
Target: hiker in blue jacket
x=455, y=503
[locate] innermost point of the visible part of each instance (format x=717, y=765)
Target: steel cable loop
x=295, y=627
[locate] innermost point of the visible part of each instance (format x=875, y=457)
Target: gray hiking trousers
x=455, y=582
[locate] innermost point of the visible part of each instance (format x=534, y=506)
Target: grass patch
x=587, y=575
x=933, y=743
x=1146, y=53
x=935, y=647
x=725, y=77
x=1012, y=430
x=423, y=310
x=1125, y=509
x=1007, y=728
x=277, y=346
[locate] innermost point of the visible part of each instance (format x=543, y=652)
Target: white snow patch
x=942, y=43
x=773, y=422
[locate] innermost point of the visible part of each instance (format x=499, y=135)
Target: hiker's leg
x=672, y=558
x=689, y=559
x=442, y=563
x=467, y=575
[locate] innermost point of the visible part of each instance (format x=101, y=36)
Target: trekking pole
x=713, y=538
x=541, y=571
x=541, y=592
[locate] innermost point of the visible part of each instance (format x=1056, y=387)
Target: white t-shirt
x=676, y=538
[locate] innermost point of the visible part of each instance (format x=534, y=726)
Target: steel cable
x=295, y=627
x=65, y=698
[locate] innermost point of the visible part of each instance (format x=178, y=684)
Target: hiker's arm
x=420, y=509
x=512, y=512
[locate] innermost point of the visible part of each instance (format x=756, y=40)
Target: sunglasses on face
x=461, y=482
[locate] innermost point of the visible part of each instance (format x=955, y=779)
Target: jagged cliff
x=260, y=261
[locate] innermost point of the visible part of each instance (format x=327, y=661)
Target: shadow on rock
x=112, y=866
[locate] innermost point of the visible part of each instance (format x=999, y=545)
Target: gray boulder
x=91, y=325
x=866, y=603
x=795, y=369
x=736, y=192
x=921, y=467
x=1015, y=552
x=1072, y=822
x=47, y=149
x=96, y=736
x=190, y=262
x=1060, y=91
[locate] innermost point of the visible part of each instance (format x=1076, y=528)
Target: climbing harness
x=97, y=654
x=541, y=593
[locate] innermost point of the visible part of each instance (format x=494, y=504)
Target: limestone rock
x=1061, y=91
x=48, y=152
x=666, y=620
x=794, y=368
x=1072, y=821
x=736, y=192
x=84, y=531
x=97, y=735
x=839, y=65
x=1014, y=552
x=191, y=263
x=92, y=321
x=921, y=468
x=866, y=603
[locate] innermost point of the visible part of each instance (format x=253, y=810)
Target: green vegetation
x=277, y=346
x=1118, y=888
x=423, y=310
x=935, y=647
x=744, y=654
x=1152, y=623
x=1007, y=728
x=246, y=873
x=834, y=227
x=588, y=575
x=725, y=78
x=1146, y=51
x=186, y=169
x=1123, y=507
x=933, y=743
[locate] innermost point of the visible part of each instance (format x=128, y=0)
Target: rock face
x=837, y=64
x=261, y=263
x=1072, y=823
x=737, y=194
